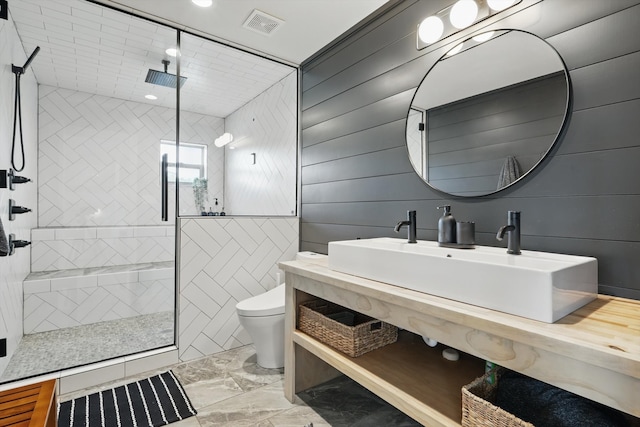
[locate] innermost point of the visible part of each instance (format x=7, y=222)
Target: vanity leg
x=302, y=369
x=289, y=346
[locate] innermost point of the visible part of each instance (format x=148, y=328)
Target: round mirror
x=487, y=113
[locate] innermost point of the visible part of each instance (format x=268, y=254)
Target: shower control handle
x=8, y=178
x=15, y=209
x=13, y=243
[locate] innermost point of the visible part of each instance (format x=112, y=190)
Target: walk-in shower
x=101, y=275
x=101, y=280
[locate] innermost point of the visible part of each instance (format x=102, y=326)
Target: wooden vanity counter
x=593, y=352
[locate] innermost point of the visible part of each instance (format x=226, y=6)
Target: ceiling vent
x=262, y=23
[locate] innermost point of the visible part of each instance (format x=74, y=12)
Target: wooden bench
x=29, y=406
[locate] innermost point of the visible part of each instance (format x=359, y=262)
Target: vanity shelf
x=600, y=339
x=408, y=374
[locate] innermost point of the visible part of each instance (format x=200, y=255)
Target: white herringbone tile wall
x=13, y=269
x=99, y=158
x=224, y=261
x=267, y=126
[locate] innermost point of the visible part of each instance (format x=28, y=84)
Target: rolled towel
x=544, y=405
x=4, y=243
x=509, y=173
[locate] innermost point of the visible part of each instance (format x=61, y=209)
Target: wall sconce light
x=456, y=17
x=223, y=139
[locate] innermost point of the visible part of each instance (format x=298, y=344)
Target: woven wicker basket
x=367, y=334
x=478, y=407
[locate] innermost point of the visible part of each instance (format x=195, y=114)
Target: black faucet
x=411, y=222
x=513, y=228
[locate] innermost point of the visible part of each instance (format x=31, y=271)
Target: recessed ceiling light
x=203, y=3
x=151, y=97
x=172, y=51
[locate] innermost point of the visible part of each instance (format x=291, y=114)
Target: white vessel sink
x=536, y=285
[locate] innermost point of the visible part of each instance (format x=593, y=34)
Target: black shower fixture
x=21, y=70
x=164, y=78
x=15, y=209
x=8, y=179
x=17, y=113
x=13, y=243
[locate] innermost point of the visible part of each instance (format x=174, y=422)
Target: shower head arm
x=21, y=70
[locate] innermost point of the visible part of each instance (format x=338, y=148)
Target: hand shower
x=17, y=114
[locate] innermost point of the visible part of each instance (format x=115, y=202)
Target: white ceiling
x=95, y=49
x=308, y=26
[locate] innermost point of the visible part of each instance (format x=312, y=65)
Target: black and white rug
x=152, y=402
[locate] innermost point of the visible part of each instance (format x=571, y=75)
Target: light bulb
x=480, y=38
x=455, y=50
x=431, y=29
x=463, y=13
x=151, y=97
x=202, y=3
x=172, y=51
x=499, y=5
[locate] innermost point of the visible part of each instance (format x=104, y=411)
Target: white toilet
x=262, y=316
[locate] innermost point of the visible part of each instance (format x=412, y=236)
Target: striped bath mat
x=152, y=402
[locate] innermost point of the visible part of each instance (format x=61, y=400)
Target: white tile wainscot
x=593, y=352
x=224, y=260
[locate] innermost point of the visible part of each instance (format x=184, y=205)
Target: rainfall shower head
x=164, y=78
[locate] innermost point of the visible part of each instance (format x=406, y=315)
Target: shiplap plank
x=387, y=162
x=369, y=140
x=607, y=82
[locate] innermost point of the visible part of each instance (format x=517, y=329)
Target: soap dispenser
x=446, y=226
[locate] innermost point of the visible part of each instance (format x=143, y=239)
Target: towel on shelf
x=4, y=243
x=509, y=173
x=542, y=404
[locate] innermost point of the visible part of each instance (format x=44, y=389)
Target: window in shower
x=193, y=161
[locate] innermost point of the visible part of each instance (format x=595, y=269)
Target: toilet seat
x=270, y=303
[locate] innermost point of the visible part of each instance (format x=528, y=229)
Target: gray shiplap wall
x=584, y=198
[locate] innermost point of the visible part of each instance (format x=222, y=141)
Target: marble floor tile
x=189, y=422
x=254, y=376
x=207, y=392
x=297, y=417
x=239, y=357
x=247, y=409
x=207, y=368
x=343, y=402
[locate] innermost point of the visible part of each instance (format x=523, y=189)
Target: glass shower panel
x=101, y=246
x=250, y=99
